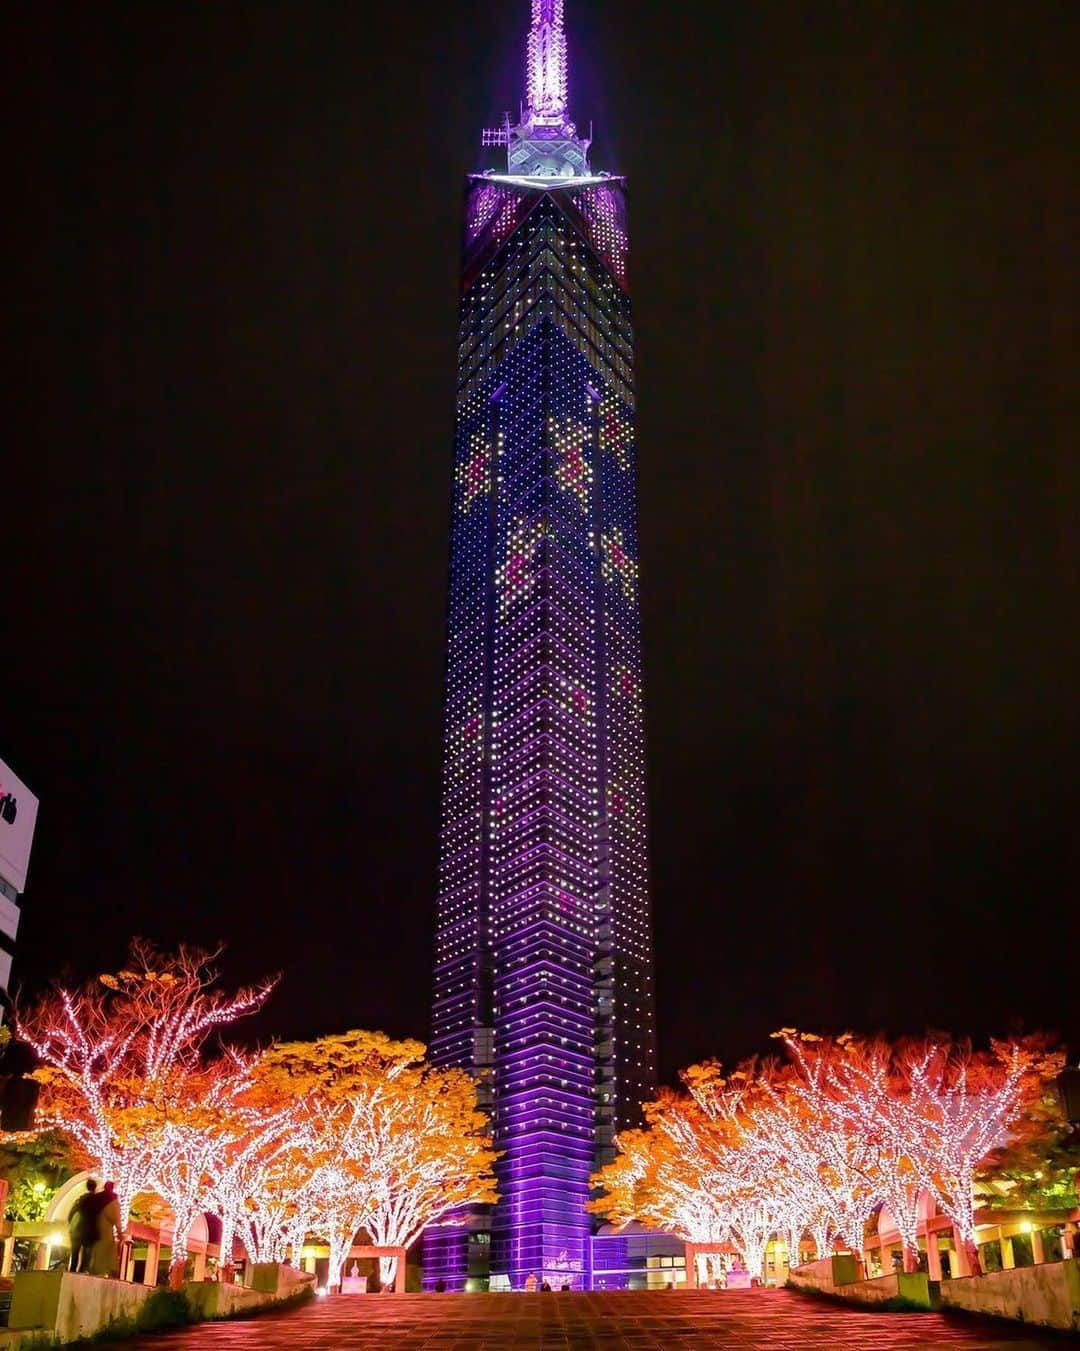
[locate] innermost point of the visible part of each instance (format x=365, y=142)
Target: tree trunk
x=124, y=1200
x=296, y=1244
x=854, y=1235
x=339, y=1250
x=182, y=1233
x=755, y=1260
x=904, y=1208
x=387, y=1270
x=179, y=1255
x=226, y=1267
x=228, y=1237
x=259, y=1241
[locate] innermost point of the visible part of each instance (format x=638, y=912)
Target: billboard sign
x=18, y=813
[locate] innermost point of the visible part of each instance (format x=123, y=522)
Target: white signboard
x=18, y=812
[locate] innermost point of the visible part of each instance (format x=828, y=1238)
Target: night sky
x=225, y=493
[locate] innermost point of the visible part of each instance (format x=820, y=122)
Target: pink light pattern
x=617, y=564
x=474, y=475
x=492, y=208
x=572, y=470
x=574, y=699
x=482, y=206
x=516, y=577
x=604, y=212
x=625, y=685
x=616, y=432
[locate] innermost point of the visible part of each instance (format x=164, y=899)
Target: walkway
x=773, y=1320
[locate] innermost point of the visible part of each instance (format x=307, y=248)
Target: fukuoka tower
x=543, y=965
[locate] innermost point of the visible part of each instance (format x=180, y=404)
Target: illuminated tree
x=630, y=1186
x=848, y=1125
x=917, y=1116
x=823, y=1160
x=969, y=1104
x=393, y=1144
x=704, y=1133
x=254, y=1182
x=337, y=1202
x=280, y=1178
x=650, y=1180
x=317, y=1184
x=748, y=1172
x=109, y=1048
x=855, y=1089
x=700, y=1170
x=429, y=1155
x=197, y=1121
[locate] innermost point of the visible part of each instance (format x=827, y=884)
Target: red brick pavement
x=661, y=1321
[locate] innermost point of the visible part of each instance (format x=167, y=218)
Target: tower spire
x=545, y=64
x=545, y=143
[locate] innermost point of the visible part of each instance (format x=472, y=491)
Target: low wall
x=216, y=1299
x=280, y=1280
x=270, y=1283
x=68, y=1305
x=813, y=1276
x=827, y=1277
x=913, y=1286
x=1047, y=1295
x=65, y=1305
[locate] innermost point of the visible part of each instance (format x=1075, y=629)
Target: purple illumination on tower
x=543, y=967
x=545, y=61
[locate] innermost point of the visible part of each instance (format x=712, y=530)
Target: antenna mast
x=545, y=63
x=544, y=143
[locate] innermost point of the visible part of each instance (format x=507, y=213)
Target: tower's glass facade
x=543, y=979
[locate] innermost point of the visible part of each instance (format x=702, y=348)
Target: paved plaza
x=660, y=1320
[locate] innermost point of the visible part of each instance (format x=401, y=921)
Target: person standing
x=83, y=1227
x=104, y=1258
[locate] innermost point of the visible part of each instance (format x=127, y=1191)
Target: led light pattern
x=492, y=322
x=617, y=564
x=625, y=686
x=492, y=212
x=474, y=473
x=616, y=432
x=572, y=469
x=517, y=577
x=484, y=201
x=600, y=214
